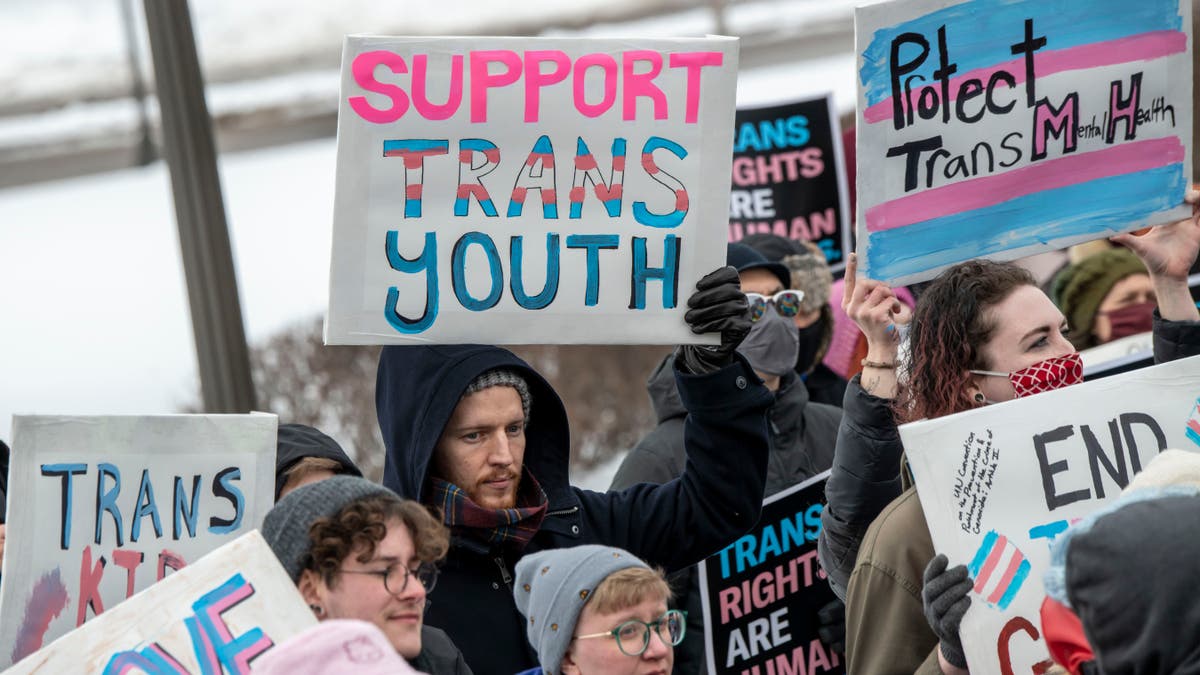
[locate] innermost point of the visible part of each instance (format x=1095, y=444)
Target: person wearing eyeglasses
x=801, y=434
x=356, y=550
x=597, y=610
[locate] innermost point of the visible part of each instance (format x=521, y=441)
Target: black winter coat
x=439, y=655
x=866, y=473
x=802, y=436
x=673, y=525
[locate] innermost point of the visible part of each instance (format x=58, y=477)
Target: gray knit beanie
x=552, y=588
x=287, y=523
x=811, y=274
x=503, y=378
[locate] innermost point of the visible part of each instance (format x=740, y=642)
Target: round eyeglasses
x=633, y=636
x=395, y=577
x=787, y=303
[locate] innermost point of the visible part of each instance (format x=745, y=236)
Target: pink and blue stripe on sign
x=999, y=569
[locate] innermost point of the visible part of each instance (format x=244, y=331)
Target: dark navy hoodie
x=716, y=500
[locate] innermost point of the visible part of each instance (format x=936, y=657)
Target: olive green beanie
x=1080, y=288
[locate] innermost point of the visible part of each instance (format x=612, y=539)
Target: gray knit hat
x=552, y=588
x=287, y=523
x=503, y=378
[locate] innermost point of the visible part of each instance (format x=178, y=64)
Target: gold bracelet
x=878, y=364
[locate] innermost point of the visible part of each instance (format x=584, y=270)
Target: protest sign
x=100, y=508
x=762, y=592
x=215, y=616
x=1118, y=356
x=999, y=483
x=789, y=177
x=484, y=193
x=1005, y=128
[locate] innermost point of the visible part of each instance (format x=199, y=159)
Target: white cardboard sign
x=528, y=190
x=999, y=483
x=216, y=616
x=103, y=507
x=1005, y=128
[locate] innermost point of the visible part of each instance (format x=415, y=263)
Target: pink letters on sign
x=482, y=79
x=642, y=84
x=608, y=66
x=420, y=82
x=363, y=70
x=535, y=79
x=693, y=62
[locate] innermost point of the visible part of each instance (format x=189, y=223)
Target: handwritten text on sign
x=998, y=484
x=104, y=507
x=483, y=183
x=1001, y=128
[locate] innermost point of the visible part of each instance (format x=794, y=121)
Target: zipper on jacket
x=563, y=512
x=503, y=571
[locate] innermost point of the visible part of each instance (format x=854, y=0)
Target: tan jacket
x=886, y=631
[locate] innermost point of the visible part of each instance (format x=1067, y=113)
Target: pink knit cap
x=334, y=646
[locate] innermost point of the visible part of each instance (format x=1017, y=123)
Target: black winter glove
x=832, y=630
x=717, y=305
x=946, y=600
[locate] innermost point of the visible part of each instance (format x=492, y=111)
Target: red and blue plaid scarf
x=492, y=526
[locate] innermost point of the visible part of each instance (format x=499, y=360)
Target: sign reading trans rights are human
x=517, y=190
x=1004, y=128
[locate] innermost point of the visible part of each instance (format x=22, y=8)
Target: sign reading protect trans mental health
x=517, y=190
x=998, y=484
x=100, y=508
x=762, y=592
x=1005, y=128
x=789, y=177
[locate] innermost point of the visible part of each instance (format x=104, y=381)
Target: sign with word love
x=1005, y=128
x=762, y=593
x=528, y=190
x=789, y=177
x=216, y=616
x=100, y=508
x=999, y=483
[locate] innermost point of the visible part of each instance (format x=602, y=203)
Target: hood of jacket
x=416, y=391
x=297, y=441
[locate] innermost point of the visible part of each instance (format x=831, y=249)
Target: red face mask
x=1131, y=320
x=1055, y=373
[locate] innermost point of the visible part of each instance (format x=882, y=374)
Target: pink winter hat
x=334, y=646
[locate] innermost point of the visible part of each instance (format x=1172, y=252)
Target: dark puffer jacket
x=802, y=436
x=673, y=525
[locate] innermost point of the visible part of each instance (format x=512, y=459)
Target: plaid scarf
x=492, y=526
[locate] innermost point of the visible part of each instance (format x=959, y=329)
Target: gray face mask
x=772, y=345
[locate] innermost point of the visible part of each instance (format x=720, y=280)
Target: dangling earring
x=317, y=609
x=980, y=398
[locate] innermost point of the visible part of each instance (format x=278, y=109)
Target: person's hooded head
x=810, y=274
x=356, y=550
x=476, y=432
x=772, y=344
x=304, y=455
x=1105, y=296
x=596, y=609
x=1126, y=572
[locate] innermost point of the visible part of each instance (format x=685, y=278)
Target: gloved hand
x=946, y=598
x=832, y=630
x=717, y=305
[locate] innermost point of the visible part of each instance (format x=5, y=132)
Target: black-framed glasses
x=395, y=577
x=786, y=302
x=633, y=636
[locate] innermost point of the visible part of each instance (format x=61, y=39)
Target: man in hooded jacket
x=434, y=401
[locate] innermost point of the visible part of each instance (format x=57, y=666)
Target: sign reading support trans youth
x=762, y=592
x=213, y=617
x=789, y=177
x=998, y=484
x=1005, y=128
x=103, y=507
x=517, y=190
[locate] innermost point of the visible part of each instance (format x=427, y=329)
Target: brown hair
x=359, y=527
x=306, y=466
x=629, y=587
x=950, y=325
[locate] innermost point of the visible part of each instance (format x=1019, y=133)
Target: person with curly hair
x=356, y=550
x=982, y=332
